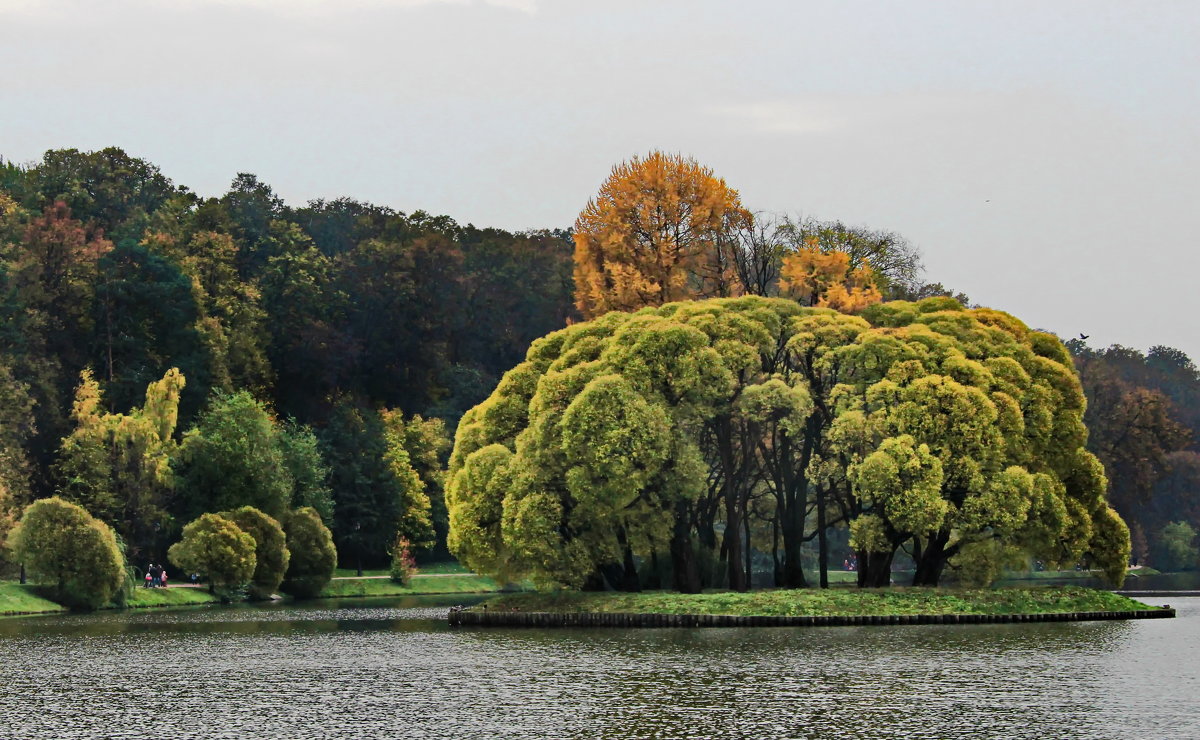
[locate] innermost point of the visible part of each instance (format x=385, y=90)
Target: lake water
x=394, y=669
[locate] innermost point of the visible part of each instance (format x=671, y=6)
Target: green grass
x=145, y=597
x=464, y=584
x=18, y=599
x=839, y=602
x=449, y=566
x=1062, y=575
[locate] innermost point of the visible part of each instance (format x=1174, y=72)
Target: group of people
x=156, y=577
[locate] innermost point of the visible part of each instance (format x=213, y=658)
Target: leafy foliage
x=118, y=466
x=660, y=230
x=923, y=425
x=232, y=458
x=219, y=550
x=313, y=556
x=271, y=555
x=75, y=553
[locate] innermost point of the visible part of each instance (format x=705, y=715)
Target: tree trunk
x=793, y=514
x=629, y=576
x=685, y=574
x=776, y=565
x=931, y=561
x=874, y=569
x=654, y=577
x=749, y=558
x=822, y=541
x=732, y=542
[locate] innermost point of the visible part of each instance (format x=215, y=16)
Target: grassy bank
x=833, y=602
x=430, y=584
x=18, y=599
x=30, y=599
x=149, y=597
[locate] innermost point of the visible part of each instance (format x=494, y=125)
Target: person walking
x=163, y=577
x=148, y=576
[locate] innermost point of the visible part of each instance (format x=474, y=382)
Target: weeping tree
x=637, y=443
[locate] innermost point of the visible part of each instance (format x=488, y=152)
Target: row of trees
x=297, y=330
x=323, y=314
x=83, y=562
x=136, y=473
x=1144, y=418
x=327, y=349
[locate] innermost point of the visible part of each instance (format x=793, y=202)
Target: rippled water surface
x=393, y=669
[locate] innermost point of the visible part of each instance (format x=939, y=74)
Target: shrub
x=403, y=564
x=218, y=549
x=271, y=554
x=313, y=554
x=69, y=549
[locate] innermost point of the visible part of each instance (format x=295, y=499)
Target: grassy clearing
x=148, y=597
x=837, y=602
x=1064, y=575
x=464, y=584
x=450, y=566
x=18, y=599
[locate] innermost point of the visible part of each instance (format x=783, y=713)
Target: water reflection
x=392, y=668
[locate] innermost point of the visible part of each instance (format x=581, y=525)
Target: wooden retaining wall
x=495, y=618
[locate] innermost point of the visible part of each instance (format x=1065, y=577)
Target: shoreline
x=805, y=607
x=467, y=618
x=203, y=598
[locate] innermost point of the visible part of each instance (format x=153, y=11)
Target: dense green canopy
x=71, y=551
x=923, y=425
x=313, y=557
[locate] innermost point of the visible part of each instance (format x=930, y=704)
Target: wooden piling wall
x=497, y=618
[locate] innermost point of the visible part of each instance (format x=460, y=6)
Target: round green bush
x=64, y=546
x=313, y=555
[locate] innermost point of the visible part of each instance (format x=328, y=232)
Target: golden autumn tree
x=817, y=277
x=660, y=230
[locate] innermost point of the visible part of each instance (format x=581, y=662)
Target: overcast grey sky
x=1043, y=155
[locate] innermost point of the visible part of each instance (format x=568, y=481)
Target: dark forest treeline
x=331, y=311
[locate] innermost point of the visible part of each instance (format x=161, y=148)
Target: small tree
x=219, y=549
x=270, y=549
x=63, y=545
x=403, y=564
x=313, y=556
x=1176, y=547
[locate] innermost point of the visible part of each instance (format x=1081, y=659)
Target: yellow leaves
x=903, y=480
x=826, y=279
x=655, y=233
x=776, y=401
x=85, y=410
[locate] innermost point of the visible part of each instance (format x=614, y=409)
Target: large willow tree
x=635, y=439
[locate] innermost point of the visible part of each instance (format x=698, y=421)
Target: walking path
x=415, y=575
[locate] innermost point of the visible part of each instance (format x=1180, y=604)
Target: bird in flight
x=1084, y=336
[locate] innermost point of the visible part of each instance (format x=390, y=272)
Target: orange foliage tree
x=661, y=229
x=826, y=278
